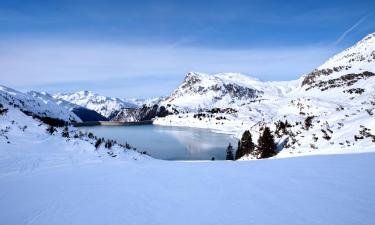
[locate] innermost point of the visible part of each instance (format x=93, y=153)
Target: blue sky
x=145, y=48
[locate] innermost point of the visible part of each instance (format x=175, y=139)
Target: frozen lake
x=170, y=143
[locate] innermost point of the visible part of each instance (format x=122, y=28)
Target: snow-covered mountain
x=346, y=68
x=83, y=113
x=330, y=108
x=200, y=91
x=106, y=106
x=140, y=102
x=36, y=106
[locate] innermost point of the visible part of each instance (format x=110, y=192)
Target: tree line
x=265, y=148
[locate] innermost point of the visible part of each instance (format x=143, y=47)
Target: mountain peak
x=369, y=37
x=85, y=93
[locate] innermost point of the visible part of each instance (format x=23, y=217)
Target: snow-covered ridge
x=359, y=55
x=83, y=113
x=36, y=105
x=105, y=106
x=140, y=102
x=46, y=97
x=203, y=91
x=354, y=60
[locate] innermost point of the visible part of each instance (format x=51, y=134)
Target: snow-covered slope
x=26, y=144
x=345, y=68
x=36, y=106
x=338, y=99
x=83, y=113
x=140, y=102
x=106, y=106
x=43, y=187
x=46, y=97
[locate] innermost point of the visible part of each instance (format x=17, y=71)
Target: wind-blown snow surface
x=335, y=189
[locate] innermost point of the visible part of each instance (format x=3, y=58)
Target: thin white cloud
x=31, y=63
x=343, y=35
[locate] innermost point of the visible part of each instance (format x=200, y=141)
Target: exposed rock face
x=349, y=66
x=310, y=78
x=125, y=115
x=146, y=112
x=343, y=81
x=238, y=92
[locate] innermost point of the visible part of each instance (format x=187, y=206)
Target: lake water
x=170, y=143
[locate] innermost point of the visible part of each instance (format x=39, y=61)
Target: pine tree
x=108, y=144
x=239, y=152
x=51, y=129
x=230, y=152
x=245, y=145
x=266, y=144
x=90, y=135
x=308, y=122
x=65, y=132
x=98, y=143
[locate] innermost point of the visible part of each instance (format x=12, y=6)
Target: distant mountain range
x=103, y=105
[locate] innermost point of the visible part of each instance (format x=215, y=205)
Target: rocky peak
x=190, y=79
x=202, y=90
